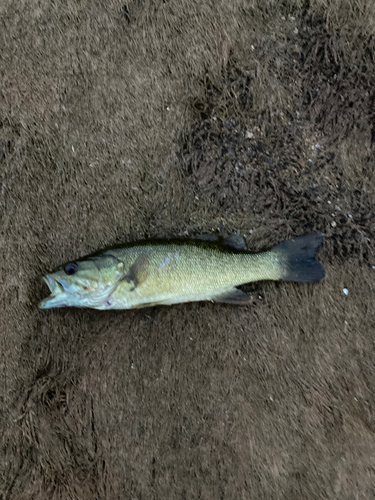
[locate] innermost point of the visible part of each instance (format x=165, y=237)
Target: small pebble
x=295, y=31
x=346, y=291
x=333, y=223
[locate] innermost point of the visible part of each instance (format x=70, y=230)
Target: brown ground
x=153, y=118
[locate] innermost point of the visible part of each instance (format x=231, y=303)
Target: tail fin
x=297, y=258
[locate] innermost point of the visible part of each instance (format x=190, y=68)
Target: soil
x=153, y=118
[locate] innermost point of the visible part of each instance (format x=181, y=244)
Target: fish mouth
x=58, y=293
x=65, y=294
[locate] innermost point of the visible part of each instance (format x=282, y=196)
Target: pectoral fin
x=137, y=273
x=234, y=296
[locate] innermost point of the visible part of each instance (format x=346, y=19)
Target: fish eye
x=71, y=268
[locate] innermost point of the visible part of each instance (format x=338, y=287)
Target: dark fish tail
x=297, y=258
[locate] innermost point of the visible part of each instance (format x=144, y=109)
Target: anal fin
x=233, y=296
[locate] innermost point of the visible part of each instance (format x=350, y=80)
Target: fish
x=165, y=272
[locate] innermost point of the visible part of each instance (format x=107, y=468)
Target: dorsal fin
x=233, y=240
x=206, y=237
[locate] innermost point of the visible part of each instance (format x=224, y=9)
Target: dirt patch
x=280, y=175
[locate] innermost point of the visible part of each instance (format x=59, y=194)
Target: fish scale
x=180, y=272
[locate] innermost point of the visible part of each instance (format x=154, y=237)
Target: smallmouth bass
x=151, y=273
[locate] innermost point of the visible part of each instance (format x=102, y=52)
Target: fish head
x=86, y=283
